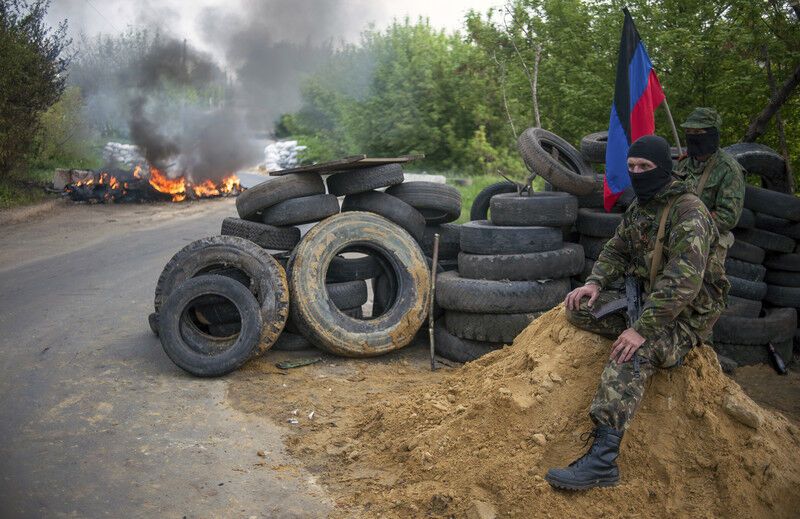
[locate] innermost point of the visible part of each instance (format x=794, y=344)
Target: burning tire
x=263, y=275
x=266, y=236
x=325, y=325
x=305, y=209
x=206, y=355
x=252, y=202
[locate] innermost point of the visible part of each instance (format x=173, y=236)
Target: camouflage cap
x=703, y=117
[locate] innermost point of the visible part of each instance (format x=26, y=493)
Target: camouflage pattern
x=622, y=385
x=690, y=287
x=703, y=117
x=723, y=193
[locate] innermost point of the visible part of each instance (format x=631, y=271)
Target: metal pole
x=434, y=265
x=674, y=128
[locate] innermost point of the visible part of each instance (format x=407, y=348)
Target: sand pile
x=481, y=440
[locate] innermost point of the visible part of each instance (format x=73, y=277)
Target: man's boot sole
x=585, y=486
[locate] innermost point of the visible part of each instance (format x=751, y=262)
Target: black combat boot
x=596, y=468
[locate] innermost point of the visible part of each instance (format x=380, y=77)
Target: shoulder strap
x=658, y=251
x=706, y=173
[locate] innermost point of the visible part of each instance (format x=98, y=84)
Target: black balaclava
x=702, y=144
x=647, y=183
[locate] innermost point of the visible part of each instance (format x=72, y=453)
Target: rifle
x=632, y=303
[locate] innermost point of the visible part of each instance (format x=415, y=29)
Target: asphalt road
x=95, y=420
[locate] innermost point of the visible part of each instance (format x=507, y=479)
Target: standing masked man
x=712, y=173
x=683, y=284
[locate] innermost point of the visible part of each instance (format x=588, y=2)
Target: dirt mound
x=482, y=439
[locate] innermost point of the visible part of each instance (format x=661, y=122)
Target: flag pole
x=672, y=124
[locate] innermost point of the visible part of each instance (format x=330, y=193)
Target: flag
x=637, y=94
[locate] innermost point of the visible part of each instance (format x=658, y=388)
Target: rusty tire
x=326, y=326
x=267, y=279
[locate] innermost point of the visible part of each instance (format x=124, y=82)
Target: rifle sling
x=706, y=173
x=658, y=251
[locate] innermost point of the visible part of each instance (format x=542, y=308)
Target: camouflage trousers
x=622, y=386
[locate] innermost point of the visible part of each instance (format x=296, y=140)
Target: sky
x=190, y=19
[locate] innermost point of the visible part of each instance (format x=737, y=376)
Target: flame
x=163, y=184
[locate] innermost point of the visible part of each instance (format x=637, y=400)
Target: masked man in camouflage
x=682, y=302
x=712, y=173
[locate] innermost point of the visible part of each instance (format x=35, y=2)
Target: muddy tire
x=318, y=318
x=266, y=236
x=488, y=327
x=560, y=263
x=449, y=240
x=744, y=270
x=305, y=209
x=546, y=208
x=267, y=279
x=481, y=237
x=737, y=306
x=390, y=207
x=754, y=290
x=253, y=201
x=481, y=296
x=363, y=180
x=746, y=252
x=777, y=325
x=456, y=349
x=480, y=206
x=597, y=222
x=438, y=203
x=769, y=241
x=790, y=262
x=772, y=203
x=212, y=356
x=569, y=173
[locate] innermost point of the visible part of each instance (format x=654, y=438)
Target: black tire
x=438, y=203
x=221, y=253
x=592, y=200
x=754, y=290
x=266, y=236
x=366, y=179
x=777, y=325
x=750, y=354
x=292, y=342
x=449, y=240
x=763, y=161
x=592, y=247
x=778, y=225
x=453, y=348
x=772, y=203
x=488, y=327
x=152, y=321
x=783, y=278
x=598, y=223
x=316, y=316
x=783, y=296
x=768, y=241
x=746, y=252
x=481, y=237
x=569, y=173
x=348, y=294
x=790, y=262
x=560, y=263
x=390, y=207
x=305, y=209
x=226, y=330
x=480, y=206
x=481, y=296
x=737, y=306
x=353, y=269
x=251, y=202
x=212, y=356
x=593, y=147
x=747, y=220
x=744, y=270
x=546, y=208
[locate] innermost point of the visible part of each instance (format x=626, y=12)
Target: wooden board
x=346, y=164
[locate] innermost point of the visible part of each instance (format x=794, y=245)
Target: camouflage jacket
x=690, y=286
x=723, y=193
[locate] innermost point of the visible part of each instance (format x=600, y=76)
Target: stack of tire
x=511, y=269
x=377, y=237
x=763, y=267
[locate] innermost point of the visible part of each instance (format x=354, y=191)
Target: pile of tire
x=513, y=267
x=373, y=242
